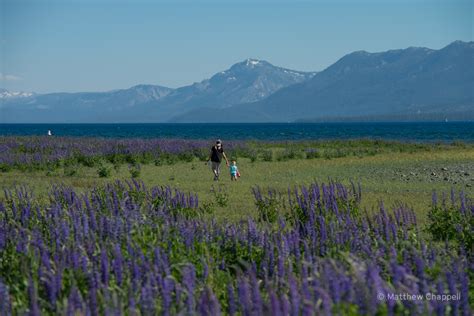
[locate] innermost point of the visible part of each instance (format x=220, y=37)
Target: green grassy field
x=392, y=177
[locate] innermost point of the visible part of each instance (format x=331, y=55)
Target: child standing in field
x=234, y=171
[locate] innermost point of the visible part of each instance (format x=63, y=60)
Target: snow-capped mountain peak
x=252, y=62
x=4, y=93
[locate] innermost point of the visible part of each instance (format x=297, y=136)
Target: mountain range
x=405, y=84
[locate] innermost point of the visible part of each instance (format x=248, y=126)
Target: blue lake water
x=412, y=131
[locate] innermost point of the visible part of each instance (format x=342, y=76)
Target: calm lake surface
x=412, y=131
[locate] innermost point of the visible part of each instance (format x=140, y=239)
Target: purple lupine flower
x=294, y=297
x=147, y=300
x=420, y=273
x=452, y=291
x=208, y=304
x=178, y=292
x=132, y=306
x=440, y=306
x=118, y=264
x=104, y=267
x=34, y=308
x=75, y=302
x=232, y=308
x=255, y=293
x=274, y=304
x=5, y=304
x=189, y=279
x=244, y=296
x=167, y=290
x=92, y=303
x=281, y=268
x=326, y=300
x=434, y=199
x=308, y=309
x=465, y=306
x=285, y=305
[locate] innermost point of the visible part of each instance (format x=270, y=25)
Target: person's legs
x=216, y=170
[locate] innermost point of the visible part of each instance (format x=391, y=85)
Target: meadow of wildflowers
x=30, y=153
x=125, y=249
x=41, y=153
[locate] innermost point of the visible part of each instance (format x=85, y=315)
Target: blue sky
x=102, y=45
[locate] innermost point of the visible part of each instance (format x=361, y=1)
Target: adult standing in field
x=215, y=156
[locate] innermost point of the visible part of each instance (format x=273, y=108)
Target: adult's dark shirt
x=216, y=154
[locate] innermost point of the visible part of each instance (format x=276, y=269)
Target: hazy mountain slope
x=408, y=83
x=402, y=82
x=79, y=107
x=247, y=81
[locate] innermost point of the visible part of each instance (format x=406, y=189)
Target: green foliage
x=459, y=143
x=145, y=157
x=289, y=153
x=207, y=208
x=249, y=152
x=186, y=212
x=238, y=255
x=117, y=167
x=296, y=214
x=348, y=310
x=70, y=171
x=186, y=156
x=253, y=155
x=166, y=159
x=103, y=172
x=4, y=167
x=451, y=224
x=201, y=153
x=134, y=170
x=269, y=209
x=267, y=155
x=220, y=196
x=312, y=154
x=88, y=161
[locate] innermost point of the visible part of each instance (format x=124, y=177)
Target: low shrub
x=268, y=207
x=103, y=172
x=207, y=208
x=70, y=171
x=288, y=154
x=134, y=170
x=452, y=222
x=253, y=155
x=312, y=154
x=4, y=167
x=186, y=156
x=267, y=155
x=220, y=196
